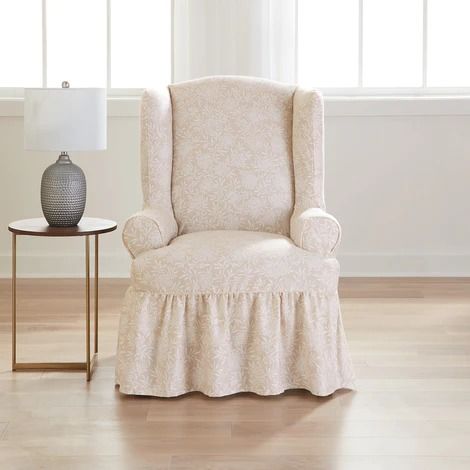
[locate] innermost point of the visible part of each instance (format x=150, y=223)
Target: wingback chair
x=233, y=278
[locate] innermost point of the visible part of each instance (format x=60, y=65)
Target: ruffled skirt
x=220, y=344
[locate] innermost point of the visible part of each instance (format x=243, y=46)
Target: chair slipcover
x=233, y=279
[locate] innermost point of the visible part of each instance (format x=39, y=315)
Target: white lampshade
x=65, y=119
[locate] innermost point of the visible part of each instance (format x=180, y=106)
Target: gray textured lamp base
x=63, y=193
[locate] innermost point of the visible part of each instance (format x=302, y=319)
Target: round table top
x=40, y=228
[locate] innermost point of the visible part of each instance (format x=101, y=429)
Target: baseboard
x=352, y=265
x=398, y=265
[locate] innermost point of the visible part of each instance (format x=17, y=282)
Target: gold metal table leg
x=89, y=364
x=96, y=291
x=13, y=301
x=87, y=284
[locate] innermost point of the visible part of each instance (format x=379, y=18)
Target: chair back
x=232, y=154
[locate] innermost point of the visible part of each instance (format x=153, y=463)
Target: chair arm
x=148, y=229
x=316, y=231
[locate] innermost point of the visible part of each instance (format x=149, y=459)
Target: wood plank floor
x=410, y=342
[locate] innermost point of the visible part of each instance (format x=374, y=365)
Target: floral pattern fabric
x=316, y=231
x=232, y=155
x=228, y=343
x=226, y=261
x=234, y=283
x=308, y=144
x=148, y=229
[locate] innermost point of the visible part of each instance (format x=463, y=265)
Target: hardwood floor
x=410, y=341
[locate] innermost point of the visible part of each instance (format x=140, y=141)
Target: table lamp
x=64, y=119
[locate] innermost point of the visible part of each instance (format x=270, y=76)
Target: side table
x=40, y=228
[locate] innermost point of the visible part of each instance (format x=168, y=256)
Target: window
x=76, y=42
x=343, y=46
x=448, y=40
x=140, y=43
x=105, y=43
x=328, y=50
x=21, y=65
x=392, y=44
x=384, y=46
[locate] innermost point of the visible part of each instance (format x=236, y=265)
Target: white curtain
x=234, y=37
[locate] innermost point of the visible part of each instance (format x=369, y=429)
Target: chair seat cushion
x=224, y=262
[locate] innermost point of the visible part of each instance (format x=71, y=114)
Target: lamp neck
x=64, y=158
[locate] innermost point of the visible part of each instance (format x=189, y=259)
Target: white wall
x=399, y=185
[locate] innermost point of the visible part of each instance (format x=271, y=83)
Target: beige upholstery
x=226, y=261
x=232, y=155
x=234, y=280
